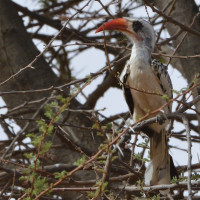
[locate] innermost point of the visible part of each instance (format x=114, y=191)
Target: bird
x=147, y=87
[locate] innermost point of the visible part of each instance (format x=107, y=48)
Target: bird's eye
x=136, y=25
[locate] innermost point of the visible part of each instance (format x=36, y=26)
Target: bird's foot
x=161, y=118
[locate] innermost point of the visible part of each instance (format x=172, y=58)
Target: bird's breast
x=145, y=90
x=143, y=78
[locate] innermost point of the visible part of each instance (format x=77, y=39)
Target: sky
x=91, y=61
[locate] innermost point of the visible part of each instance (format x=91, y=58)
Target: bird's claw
x=160, y=119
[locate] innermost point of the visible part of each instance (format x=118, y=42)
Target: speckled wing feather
x=126, y=89
x=160, y=70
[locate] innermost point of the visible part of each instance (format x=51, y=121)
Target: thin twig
x=172, y=20
x=159, y=187
x=187, y=128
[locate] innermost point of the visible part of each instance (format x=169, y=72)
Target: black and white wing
x=126, y=89
x=160, y=70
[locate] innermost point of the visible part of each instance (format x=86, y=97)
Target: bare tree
x=58, y=147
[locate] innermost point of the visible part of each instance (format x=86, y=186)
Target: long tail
x=161, y=168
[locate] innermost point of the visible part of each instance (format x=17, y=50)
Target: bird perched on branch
x=147, y=87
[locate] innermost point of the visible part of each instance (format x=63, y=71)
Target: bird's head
x=138, y=31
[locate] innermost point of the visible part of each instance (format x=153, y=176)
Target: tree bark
x=16, y=51
x=184, y=11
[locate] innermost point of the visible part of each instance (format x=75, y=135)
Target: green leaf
x=22, y=178
x=48, y=112
x=195, y=176
x=140, y=183
x=95, y=126
x=104, y=185
x=156, y=197
x=41, y=125
x=62, y=99
x=176, y=92
x=114, y=158
x=91, y=195
x=80, y=161
x=118, y=74
x=31, y=135
x=36, y=141
x=26, y=171
x=101, y=161
x=182, y=177
x=165, y=97
x=32, y=166
x=109, y=125
x=161, y=60
x=195, y=80
x=89, y=77
x=117, y=131
x=29, y=155
x=53, y=104
x=60, y=175
x=50, y=129
x=174, y=180
x=49, y=109
x=102, y=146
x=103, y=127
x=40, y=184
x=57, y=118
x=46, y=147
x=99, y=133
x=138, y=156
x=144, y=144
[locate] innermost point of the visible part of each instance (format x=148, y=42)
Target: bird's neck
x=141, y=55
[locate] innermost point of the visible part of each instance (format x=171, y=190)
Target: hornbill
x=144, y=84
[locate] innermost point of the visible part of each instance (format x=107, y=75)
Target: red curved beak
x=119, y=24
x=115, y=24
